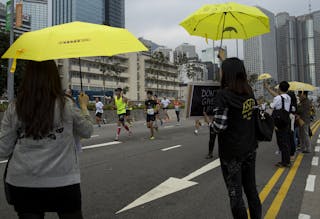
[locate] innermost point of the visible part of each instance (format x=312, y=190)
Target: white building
x=167, y=52
x=38, y=12
x=187, y=49
x=193, y=72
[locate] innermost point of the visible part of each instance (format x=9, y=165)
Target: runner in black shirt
x=150, y=107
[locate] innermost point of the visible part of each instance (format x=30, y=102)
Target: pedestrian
x=293, y=125
x=37, y=136
x=150, y=107
x=304, y=109
x=165, y=106
x=99, y=111
x=120, y=103
x=212, y=135
x=234, y=123
x=282, y=105
x=177, y=105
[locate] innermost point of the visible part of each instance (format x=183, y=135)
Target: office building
x=287, y=47
x=187, y=50
x=115, y=13
x=65, y=11
x=167, y=52
x=38, y=12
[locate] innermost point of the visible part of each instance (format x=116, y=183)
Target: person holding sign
x=150, y=107
x=233, y=121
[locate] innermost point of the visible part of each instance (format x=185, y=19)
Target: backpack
x=281, y=117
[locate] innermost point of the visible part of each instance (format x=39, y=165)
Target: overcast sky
x=158, y=20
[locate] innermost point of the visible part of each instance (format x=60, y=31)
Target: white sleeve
x=275, y=102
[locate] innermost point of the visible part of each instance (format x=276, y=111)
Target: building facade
x=38, y=12
x=65, y=11
x=187, y=50
x=287, y=47
x=115, y=13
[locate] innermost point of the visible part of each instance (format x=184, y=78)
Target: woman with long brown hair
x=37, y=134
x=235, y=125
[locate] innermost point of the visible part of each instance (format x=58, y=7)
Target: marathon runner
x=150, y=108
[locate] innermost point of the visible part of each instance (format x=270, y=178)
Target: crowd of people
x=40, y=136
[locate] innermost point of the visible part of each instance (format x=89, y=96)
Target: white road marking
x=310, y=183
x=171, y=186
x=317, y=149
x=304, y=216
x=169, y=126
x=4, y=161
x=315, y=161
x=170, y=148
x=101, y=145
x=94, y=136
x=318, y=141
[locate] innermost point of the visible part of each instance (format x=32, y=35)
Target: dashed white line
x=317, y=149
x=4, y=161
x=310, y=183
x=315, y=161
x=170, y=148
x=94, y=136
x=318, y=141
x=304, y=216
x=169, y=126
x=101, y=145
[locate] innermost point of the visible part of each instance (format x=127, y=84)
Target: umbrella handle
x=81, y=87
x=223, y=25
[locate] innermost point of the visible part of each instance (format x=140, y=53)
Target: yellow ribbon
x=14, y=63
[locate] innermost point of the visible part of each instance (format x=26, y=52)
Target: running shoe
x=152, y=138
x=116, y=138
x=196, y=132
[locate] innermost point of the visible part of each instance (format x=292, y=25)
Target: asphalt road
x=115, y=175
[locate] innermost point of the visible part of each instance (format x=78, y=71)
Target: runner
x=197, y=125
x=99, y=111
x=120, y=104
x=150, y=107
x=212, y=137
x=165, y=104
x=157, y=113
x=128, y=113
x=177, y=105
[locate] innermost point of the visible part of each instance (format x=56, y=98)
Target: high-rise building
x=260, y=53
x=186, y=49
x=287, y=47
x=115, y=13
x=64, y=11
x=38, y=12
x=308, y=28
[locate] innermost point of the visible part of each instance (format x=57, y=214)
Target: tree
x=157, y=61
x=117, y=70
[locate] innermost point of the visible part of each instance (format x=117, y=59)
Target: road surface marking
x=304, y=216
x=317, y=149
x=4, y=161
x=94, y=136
x=101, y=145
x=318, y=141
x=269, y=186
x=169, y=126
x=170, y=148
x=282, y=193
x=170, y=186
x=315, y=161
x=310, y=183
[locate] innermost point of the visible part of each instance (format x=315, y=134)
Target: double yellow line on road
x=275, y=207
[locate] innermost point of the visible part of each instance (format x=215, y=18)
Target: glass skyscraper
x=64, y=11
x=115, y=13
x=38, y=12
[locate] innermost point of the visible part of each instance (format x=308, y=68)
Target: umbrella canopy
x=227, y=21
x=264, y=76
x=76, y=39
x=300, y=86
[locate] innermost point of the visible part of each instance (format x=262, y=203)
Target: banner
x=201, y=99
x=19, y=15
x=8, y=16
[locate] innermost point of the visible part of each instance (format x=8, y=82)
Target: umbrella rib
x=256, y=17
x=244, y=30
x=196, y=26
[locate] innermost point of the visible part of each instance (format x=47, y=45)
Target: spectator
x=304, y=109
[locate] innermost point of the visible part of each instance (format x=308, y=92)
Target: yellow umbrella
x=300, y=86
x=227, y=21
x=76, y=39
x=264, y=76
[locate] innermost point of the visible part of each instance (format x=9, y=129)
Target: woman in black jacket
x=234, y=124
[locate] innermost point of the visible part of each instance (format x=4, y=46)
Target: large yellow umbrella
x=227, y=21
x=71, y=40
x=300, y=86
x=264, y=76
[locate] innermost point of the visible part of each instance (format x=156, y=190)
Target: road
x=170, y=177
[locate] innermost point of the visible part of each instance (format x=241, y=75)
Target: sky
x=158, y=20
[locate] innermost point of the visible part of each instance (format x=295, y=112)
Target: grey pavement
x=115, y=175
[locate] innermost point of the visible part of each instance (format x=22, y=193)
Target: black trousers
x=292, y=144
x=178, y=115
x=212, y=140
x=238, y=174
x=283, y=140
x=40, y=215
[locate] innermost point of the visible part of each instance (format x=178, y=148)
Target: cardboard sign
x=201, y=99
